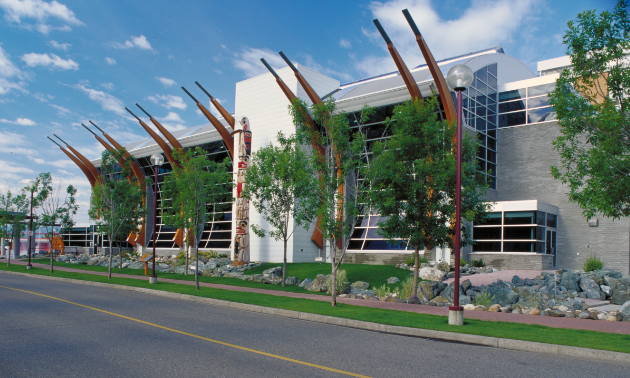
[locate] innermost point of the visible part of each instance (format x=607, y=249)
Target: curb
x=495, y=342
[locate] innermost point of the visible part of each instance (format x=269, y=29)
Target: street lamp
x=156, y=160
x=31, y=186
x=459, y=78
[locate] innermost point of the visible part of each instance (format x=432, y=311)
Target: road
x=140, y=335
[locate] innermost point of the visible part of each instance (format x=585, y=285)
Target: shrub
x=484, y=299
x=411, y=260
x=477, y=263
x=462, y=262
x=593, y=263
x=342, y=282
x=382, y=291
x=407, y=288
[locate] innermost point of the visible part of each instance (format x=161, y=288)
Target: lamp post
x=157, y=160
x=459, y=77
x=31, y=186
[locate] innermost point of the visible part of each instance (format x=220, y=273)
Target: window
x=526, y=106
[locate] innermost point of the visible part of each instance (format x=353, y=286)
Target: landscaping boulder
x=431, y=289
x=443, y=266
x=360, y=285
x=599, y=275
x=469, y=307
x=319, y=284
x=135, y=265
x=625, y=310
x=591, y=289
x=306, y=282
x=466, y=285
x=606, y=290
x=494, y=308
x=502, y=295
x=392, y=280
x=571, y=281
x=449, y=292
x=517, y=281
x=292, y=281
x=277, y=271
x=620, y=290
x=431, y=274
x=464, y=300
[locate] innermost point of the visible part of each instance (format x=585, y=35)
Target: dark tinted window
x=519, y=217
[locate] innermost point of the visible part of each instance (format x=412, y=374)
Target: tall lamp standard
x=157, y=161
x=31, y=186
x=459, y=78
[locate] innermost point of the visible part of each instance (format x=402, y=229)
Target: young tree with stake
x=13, y=210
x=277, y=179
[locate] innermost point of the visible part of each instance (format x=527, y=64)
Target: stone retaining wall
x=514, y=261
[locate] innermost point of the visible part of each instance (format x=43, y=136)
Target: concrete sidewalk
x=548, y=321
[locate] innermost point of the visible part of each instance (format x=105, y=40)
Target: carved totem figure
x=241, y=239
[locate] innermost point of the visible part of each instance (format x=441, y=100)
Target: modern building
x=532, y=225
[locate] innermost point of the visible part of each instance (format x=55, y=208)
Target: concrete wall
x=375, y=258
x=525, y=261
x=525, y=155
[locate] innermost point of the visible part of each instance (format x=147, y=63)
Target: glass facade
x=516, y=232
x=526, y=106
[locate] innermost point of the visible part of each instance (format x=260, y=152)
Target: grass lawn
x=517, y=331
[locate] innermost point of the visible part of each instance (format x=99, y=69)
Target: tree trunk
x=414, y=293
x=197, y=268
x=284, y=266
x=187, y=253
x=333, y=281
x=109, y=267
x=51, y=256
x=120, y=255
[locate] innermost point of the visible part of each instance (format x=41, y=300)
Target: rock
x=494, y=308
x=584, y=315
x=602, y=316
x=360, y=285
x=516, y=280
x=606, y=290
x=179, y=269
x=506, y=310
x=392, y=280
x=126, y=264
x=502, y=295
x=431, y=289
x=620, y=291
x=450, y=275
x=571, y=281
x=534, y=311
x=439, y=300
x=611, y=318
x=591, y=288
x=431, y=274
x=277, y=271
x=320, y=283
x=469, y=307
x=449, y=292
x=517, y=311
x=480, y=308
x=599, y=275
x=292, y=281
x=464, y=300
x=208, y=273
x=444, y=267
x=306, y=282
x=563, y=308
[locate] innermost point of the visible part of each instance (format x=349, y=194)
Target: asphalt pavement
x=71, y=330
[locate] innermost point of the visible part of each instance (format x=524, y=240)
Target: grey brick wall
x=513, y=261
x=525, y=154
x=375, y=258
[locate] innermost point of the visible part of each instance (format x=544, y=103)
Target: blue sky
x=65, y=62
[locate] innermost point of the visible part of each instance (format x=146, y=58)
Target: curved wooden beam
x=438, y=77
x=168, y=151
x=171, y=139
x=88, y=164
x=111, y=149
x=79, y=164
x=225, y=135
x=226, y=115
x=410, y=82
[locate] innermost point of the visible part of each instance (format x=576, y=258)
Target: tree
x=413, y=180
x=117, y=205
x=277, y=179
x=13, y=210
x=186, y=193
x=592, y=101
x=57, y=208
x=337, y=166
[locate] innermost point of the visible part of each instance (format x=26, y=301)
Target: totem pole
x=241, y=240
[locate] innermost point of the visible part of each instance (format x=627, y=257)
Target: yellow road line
x=197, y=336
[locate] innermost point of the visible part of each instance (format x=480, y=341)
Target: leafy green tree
x=592, y=102
x=117, y=205
x=13, y=210
x=337, y=167
x=277, y=179
x=413, y=180
x=56, y=209
x=186, y=194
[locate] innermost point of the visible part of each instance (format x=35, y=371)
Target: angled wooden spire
x=79, y=164
x=410, y=82
x=171, y=139
x=168, y=151
x=88, y=164
x=307, y=87
x=224, y=113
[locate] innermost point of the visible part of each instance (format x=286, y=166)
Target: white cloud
x=109, y=86
x=91, y=152
x=107, y=101
x=345, y=43
x=61, y=110
x=60, y=46
x=49, y=60
x=166, y=82
x=501, y=19
x=36, y=160
x=169, y=101
x=110, y=61
x=42, y=97
x=19, y=121
x=10, y=143
x=8, y=167
x=139, y=42
x=8, y=70
x=199, y=112
x=40, y=11
x=171, y=117
x=6, y=85
x=249, y=61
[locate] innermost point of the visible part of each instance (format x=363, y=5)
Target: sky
x=65, y=62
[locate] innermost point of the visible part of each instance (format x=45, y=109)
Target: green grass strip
x=516, y=331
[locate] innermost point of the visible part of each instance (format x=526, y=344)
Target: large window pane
x=512, y=119
x=511, y=106
x=383, y=244
x=493, y=218
x=512, y=95
x=373, y=233
x=519, y=247
x=551, y=220
x=487, y=233
x=537, y=102
x=541, y=89
x=540, y=218
x=516, y=233
x=487, y=247
x=355, y=244
x=358, y=233
x=519, y=217
x=492, y=68
x=540, y=115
